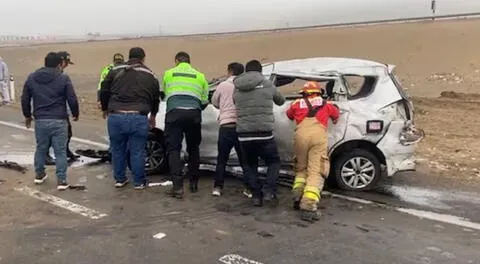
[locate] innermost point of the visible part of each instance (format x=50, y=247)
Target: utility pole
x=434, y=8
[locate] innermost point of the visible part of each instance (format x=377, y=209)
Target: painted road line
x=159, y=236
x=79, y=140
x=155, y=184
x=444, y=218
x=73, y=207
x=237, y=259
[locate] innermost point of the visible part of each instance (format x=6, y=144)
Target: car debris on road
x=13, y=166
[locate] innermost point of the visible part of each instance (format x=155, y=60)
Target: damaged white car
x=374, y=136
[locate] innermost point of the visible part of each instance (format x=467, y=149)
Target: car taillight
x=374, y=126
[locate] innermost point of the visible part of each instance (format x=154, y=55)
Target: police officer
x=118, y=59
x=311, y=114
x=186, y=93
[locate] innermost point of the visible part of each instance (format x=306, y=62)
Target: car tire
x=156, y=158
x=155, y=154
x=357, y=170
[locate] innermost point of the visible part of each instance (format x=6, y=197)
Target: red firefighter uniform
x=311, y=114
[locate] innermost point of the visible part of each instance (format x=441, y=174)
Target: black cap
x=52, y=60
x=118, y=57
x=65, y=56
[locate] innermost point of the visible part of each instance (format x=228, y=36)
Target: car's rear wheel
x=357, y=170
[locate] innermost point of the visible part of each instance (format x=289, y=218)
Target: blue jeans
x=52, y=132
x=128, y=130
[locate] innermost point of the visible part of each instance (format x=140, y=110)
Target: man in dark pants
x=65, y=61
x=186, y=93
x=222, y=99
x=254, y=97
x=128, y=94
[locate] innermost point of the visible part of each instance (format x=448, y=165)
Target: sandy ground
x=431, y=58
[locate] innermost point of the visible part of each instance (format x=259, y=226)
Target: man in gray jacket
x=254, y=97
x=4, y=82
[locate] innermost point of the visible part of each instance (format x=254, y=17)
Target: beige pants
x=312, y=164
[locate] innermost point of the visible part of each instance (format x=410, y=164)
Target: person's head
x=136, y=53
x=53, y=60
x=118, y=58
x=182, y=56
x=235, y=69
x=311, y=88
x=65, y=59
x=253, y=65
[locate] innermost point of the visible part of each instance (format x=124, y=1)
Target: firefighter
x=311, y=114
x=186, y=93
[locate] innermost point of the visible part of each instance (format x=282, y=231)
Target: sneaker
x=139, y=187
x=39, y=179
x=120, y=184
x=217, y=191
x=62, y=185
x=247, y=193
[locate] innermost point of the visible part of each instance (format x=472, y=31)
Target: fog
x=69, y=17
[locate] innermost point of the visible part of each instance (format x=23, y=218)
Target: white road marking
x=165, y=183
x=73, y=207
x=237, y=259
x=159, y=236
x=79, y=140
x=444, y=218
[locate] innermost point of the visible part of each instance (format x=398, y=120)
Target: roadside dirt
x=451, y=124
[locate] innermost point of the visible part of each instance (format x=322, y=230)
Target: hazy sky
x=77, y=17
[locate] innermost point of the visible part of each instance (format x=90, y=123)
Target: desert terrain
x=437, y=62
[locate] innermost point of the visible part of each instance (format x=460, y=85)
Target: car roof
x=325, y=64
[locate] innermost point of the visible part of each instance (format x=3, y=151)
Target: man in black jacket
x=128, y=94
x=50, y=89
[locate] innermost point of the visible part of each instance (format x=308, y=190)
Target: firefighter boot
x=310, y=216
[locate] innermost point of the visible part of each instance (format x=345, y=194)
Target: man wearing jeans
x=254, y=97
x=50, y=89
x=222, y=99
x=128, y=94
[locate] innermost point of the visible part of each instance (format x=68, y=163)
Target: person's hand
x=75, y=118
x=105, y=114
x=28, y=122
x=152, y=122
x=99, y=105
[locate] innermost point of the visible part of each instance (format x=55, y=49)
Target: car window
x=297, y=85
x=354, y=83
x=359, y=86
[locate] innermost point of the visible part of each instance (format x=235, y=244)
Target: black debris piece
x=13, y=166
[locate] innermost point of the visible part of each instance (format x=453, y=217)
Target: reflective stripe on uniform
x=312, y=193
x=193, y=94
x=184, y=85
x=299, y=182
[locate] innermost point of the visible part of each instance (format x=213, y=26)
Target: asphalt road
x=39, y=224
